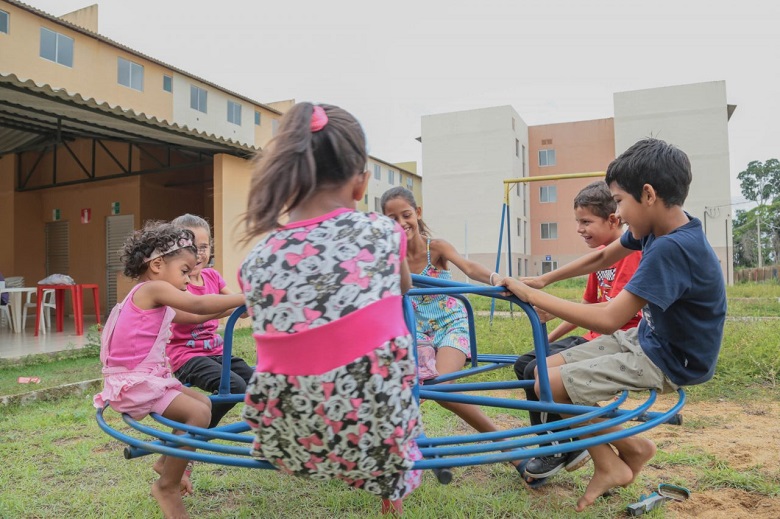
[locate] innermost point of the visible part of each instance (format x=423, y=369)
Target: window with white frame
x=56, y=47
x=390, y=177
x=517, y=147
x=377, y=172
x=198, y=99
x=550, y=231
x=257, y=118
x=4, y=21
x=519, y=227
x=167, y=83
x=546, y=158
x=548, y=194
x=549, y=266
x=130, y=74
x=233, y=112
x=377, y=204
x=409, y=183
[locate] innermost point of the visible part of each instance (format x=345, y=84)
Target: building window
x=377, y=205
x=167, y=83
x=198, y=98
x=4, y=21
x=390, y=177
x=548, y=194
x=56, y=47
x=513, y=123
x=550, y=231
x=257, y=118
x=365, y=199
x=522, y=156
x=546, y=158
x=517, y=147
x=130, y=74
x=234, y=113
x=519, y=226
x=549, y=266
x=377, y=172
x=409, y=183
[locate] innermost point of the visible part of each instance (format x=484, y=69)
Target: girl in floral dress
x=332, y=396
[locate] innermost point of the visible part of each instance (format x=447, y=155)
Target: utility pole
x=758, y=226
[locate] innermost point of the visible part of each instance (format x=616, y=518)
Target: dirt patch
x=744, y=437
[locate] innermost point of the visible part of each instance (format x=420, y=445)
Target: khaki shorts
x=602, y=368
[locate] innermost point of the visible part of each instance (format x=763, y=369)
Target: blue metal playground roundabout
x=231, y=447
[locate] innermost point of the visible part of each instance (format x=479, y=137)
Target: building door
x=57, y=248
x=118, y=228
x=548, y=266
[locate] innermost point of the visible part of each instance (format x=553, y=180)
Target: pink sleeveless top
x=136, y=377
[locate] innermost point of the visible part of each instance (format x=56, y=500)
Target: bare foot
x=641, y=451
x=186, y=482
x=604, y=478
x=170, y=502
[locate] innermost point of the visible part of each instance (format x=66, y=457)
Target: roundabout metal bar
x=442, y=452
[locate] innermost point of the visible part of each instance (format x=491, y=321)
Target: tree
x=760, y=182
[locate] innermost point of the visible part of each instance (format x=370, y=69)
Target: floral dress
x=441, y=319
x=332, y=394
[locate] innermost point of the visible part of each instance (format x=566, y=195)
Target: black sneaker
x=576, y=459
x=545, y=466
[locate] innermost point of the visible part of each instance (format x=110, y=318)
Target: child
x=332, y=396
x=441, y=319
x=195, y=350
x=594, y=211
x=137, y=379
x=678, y=285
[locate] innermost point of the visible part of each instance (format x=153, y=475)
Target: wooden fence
x=761, y=275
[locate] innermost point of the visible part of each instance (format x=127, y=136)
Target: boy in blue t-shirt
x=678, y=286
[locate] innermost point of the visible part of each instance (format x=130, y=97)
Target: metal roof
x=32, y=115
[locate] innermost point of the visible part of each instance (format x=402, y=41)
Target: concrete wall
x=7, y=204
x=695, y=119
x=94, y=71
x=377, y=186
x=466, y=157
x=215, y=119
x=580, y=147
x=232, y=177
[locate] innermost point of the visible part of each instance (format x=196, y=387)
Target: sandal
x=188, y=469
x=530, y=481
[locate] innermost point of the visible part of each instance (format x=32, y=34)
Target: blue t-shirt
x=682, y=324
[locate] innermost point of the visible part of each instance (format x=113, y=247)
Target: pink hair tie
x=318, y=119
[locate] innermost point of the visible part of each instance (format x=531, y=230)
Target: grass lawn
x=58, y=463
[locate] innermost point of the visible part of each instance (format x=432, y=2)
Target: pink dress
x=136, y=377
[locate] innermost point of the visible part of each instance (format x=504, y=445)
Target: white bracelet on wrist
x=491, y=278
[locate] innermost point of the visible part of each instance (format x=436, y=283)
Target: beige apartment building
x=467, y=155
x=96, y=138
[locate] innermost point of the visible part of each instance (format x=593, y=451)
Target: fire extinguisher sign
x=86, y=215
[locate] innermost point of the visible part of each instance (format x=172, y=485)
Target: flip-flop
x=532, y=482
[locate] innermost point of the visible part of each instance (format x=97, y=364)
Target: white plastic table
x=15, y=305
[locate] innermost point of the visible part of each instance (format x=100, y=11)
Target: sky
x=392, y=63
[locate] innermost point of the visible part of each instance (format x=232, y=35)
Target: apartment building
x=467, y=155
x=96, y=138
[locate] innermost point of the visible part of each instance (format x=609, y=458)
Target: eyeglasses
x=203, y=249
